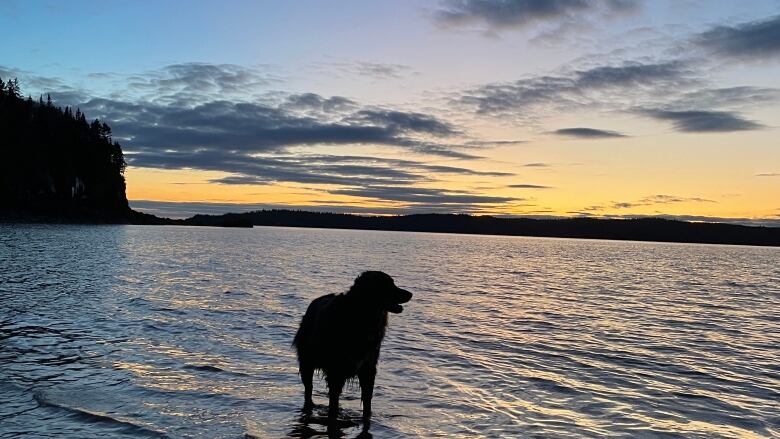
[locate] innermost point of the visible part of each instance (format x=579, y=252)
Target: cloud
x=197, y=82
x=410, y=194
x=667, y=199
x=32, y=84
x=699, y=121
x=258, y=127
x=507, y=14
x=649, y=200
x=493, y=143
x=401, y=163
x=658, y=199
x=588, y=133
x=350, y=171
x=753, y=41
x=594, y=86
x=319, y=104
x=537, y=165
x=373, y=70
x=728, y=97
x=249, y=169
x=404, y=121
x=769, y=174
x=381, y=70
x=528, y=186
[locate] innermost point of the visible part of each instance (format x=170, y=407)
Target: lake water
x=185, y=332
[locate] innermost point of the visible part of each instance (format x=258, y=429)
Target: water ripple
x=132, y=331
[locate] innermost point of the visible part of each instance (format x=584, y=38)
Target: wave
x=123, y=424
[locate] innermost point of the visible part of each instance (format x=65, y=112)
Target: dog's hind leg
x=307, y=373
x=366, y=377
x=335, y=385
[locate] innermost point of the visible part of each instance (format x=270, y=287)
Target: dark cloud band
x=500, y=14
x=704, y=121
x=588, y=133
x=757, y=40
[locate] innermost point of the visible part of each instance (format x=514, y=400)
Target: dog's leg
x=366, y=377
x=334, y=392
x=307, y=373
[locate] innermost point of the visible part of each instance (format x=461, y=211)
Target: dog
x=341, y=334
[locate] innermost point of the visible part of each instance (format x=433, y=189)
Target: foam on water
x=133, y=331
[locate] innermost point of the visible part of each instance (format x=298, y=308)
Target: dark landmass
x=644, y=229
x=55, y=165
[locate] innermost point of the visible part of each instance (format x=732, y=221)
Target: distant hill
x=645, y=229
x=57, y=166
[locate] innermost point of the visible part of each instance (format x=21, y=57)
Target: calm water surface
x=133, y=331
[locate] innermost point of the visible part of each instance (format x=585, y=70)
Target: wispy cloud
x=425, y=195
x=622, y=84
x=650, y=200
x=588, y=133
x=537, y=165
x=366, y=69
x=704, y=121
x=194, y=83
x=382, y=70
x=725, y=97
x=515, y=14
x=306, y=169
x=528, y=186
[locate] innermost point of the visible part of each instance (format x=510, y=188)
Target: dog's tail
x=306, y=329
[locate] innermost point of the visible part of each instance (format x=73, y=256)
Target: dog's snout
x=404, y=295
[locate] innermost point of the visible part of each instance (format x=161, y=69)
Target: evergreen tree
x=13, y=88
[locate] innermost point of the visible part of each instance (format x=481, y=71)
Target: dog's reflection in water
x=315, y=422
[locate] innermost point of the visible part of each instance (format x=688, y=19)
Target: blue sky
x=523, y=107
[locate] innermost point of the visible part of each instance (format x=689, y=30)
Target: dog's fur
x=341, y=334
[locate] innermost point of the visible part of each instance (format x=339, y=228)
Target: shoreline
x=638, y=230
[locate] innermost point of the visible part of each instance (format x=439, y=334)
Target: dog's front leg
x=366, y=377
x=334, y=392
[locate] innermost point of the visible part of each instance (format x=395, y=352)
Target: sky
x=548, y=108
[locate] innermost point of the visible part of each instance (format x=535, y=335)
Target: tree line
x=52, y=159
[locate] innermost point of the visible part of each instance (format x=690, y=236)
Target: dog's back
x=338, y=339
x=313, y=331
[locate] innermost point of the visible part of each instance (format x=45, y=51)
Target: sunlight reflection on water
x=133, y=331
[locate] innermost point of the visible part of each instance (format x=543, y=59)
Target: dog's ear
x=369, y=281
x=361, y=284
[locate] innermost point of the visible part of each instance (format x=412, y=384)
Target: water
x=134, y=331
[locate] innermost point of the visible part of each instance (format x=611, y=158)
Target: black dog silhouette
x=341, y=334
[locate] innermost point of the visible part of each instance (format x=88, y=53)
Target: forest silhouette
x=54, y=162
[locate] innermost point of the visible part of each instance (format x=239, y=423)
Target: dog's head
x=377, y=288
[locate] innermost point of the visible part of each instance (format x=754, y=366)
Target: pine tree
x=13, y=88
